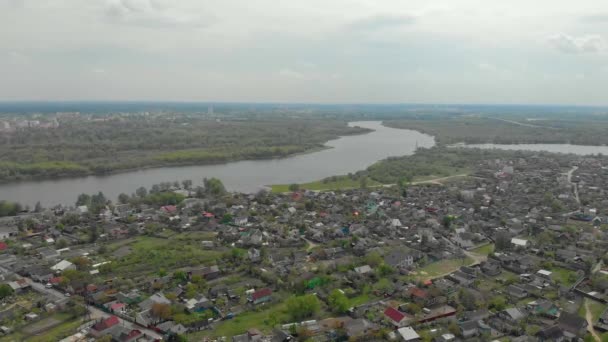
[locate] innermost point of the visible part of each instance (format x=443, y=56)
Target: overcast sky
x=326, y=51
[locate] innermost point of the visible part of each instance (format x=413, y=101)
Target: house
x=516, y=292
x=545, y=308
x=129, y=298
x=418, y=295
x=399, y=258
x=396, y=317
x=521, y=243
x=261, y=296
x=40, y=273
x=169, y=209
x=572, y=325
x=544, y=274
x=117, y=307
x=512, y=315
x=254, y=255
x=3, y=246
x=157, y=298
x=169, y=327
x=48, y=253
x=490, y=268
x=241, y=221
x=197, y=304
x=63, y=265
x=19, y=285
x=101, y=327
x=469, y=329
x=365, y=269
x=408, y=334
x=208, y=273
x=551, y=334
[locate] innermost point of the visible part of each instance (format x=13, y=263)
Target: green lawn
x=361, y=299
x=251, y=319
x=563, y=276
x=151, y=253
x=484, y=250
x=339, y=183
x=440, y=268
x=596, y=309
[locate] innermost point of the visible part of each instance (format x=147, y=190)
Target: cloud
x=310, y=74
x=486, y=67
x=383, y=21
x=153, y=13
x=596, y=18
x=591, y=43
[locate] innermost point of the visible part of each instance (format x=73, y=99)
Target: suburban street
x=95, y=312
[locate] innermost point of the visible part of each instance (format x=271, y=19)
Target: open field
x=484, y=250
x=440, y=268
x=51, y=328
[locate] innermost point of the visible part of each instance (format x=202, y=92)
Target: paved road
x=574, y=185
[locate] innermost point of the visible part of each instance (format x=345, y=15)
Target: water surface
x=347, y=154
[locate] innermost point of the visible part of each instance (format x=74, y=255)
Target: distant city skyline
x=340, y=51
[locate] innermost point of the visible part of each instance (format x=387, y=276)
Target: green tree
x=187, y=184
x=384, y=270
x=5, y=291
x=180, y=276
x=83, y=199
x=502, y=241
x=62, y=243
x=338, y=301
x=123, y=198
x=294, y=187
x=141, y=192
x=301, y=307
x=214, y=186
x=373, y=259
x=498, y=303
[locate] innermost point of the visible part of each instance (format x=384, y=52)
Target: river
x=346, y=154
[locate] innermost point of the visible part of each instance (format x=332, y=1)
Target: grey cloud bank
x=314, y=51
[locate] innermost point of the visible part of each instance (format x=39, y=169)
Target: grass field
x=361, y=299
x=151, y=254
x=440, y=268
x=53, y=328
x=261, y=320
x=596, y=309
x=484, y=250
x=563, y=276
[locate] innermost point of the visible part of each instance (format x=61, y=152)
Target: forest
x=475, y=129
x=83, y=146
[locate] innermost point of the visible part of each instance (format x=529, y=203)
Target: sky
x=317, y=51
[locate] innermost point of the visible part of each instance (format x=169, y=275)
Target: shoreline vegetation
x=84, y=148
x=476, y=129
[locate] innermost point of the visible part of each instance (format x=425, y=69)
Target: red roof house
x=105, y=324
x=169, y=209
x=3, y=246
x=396, y=317
x=55, y=280
x=261, y=296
